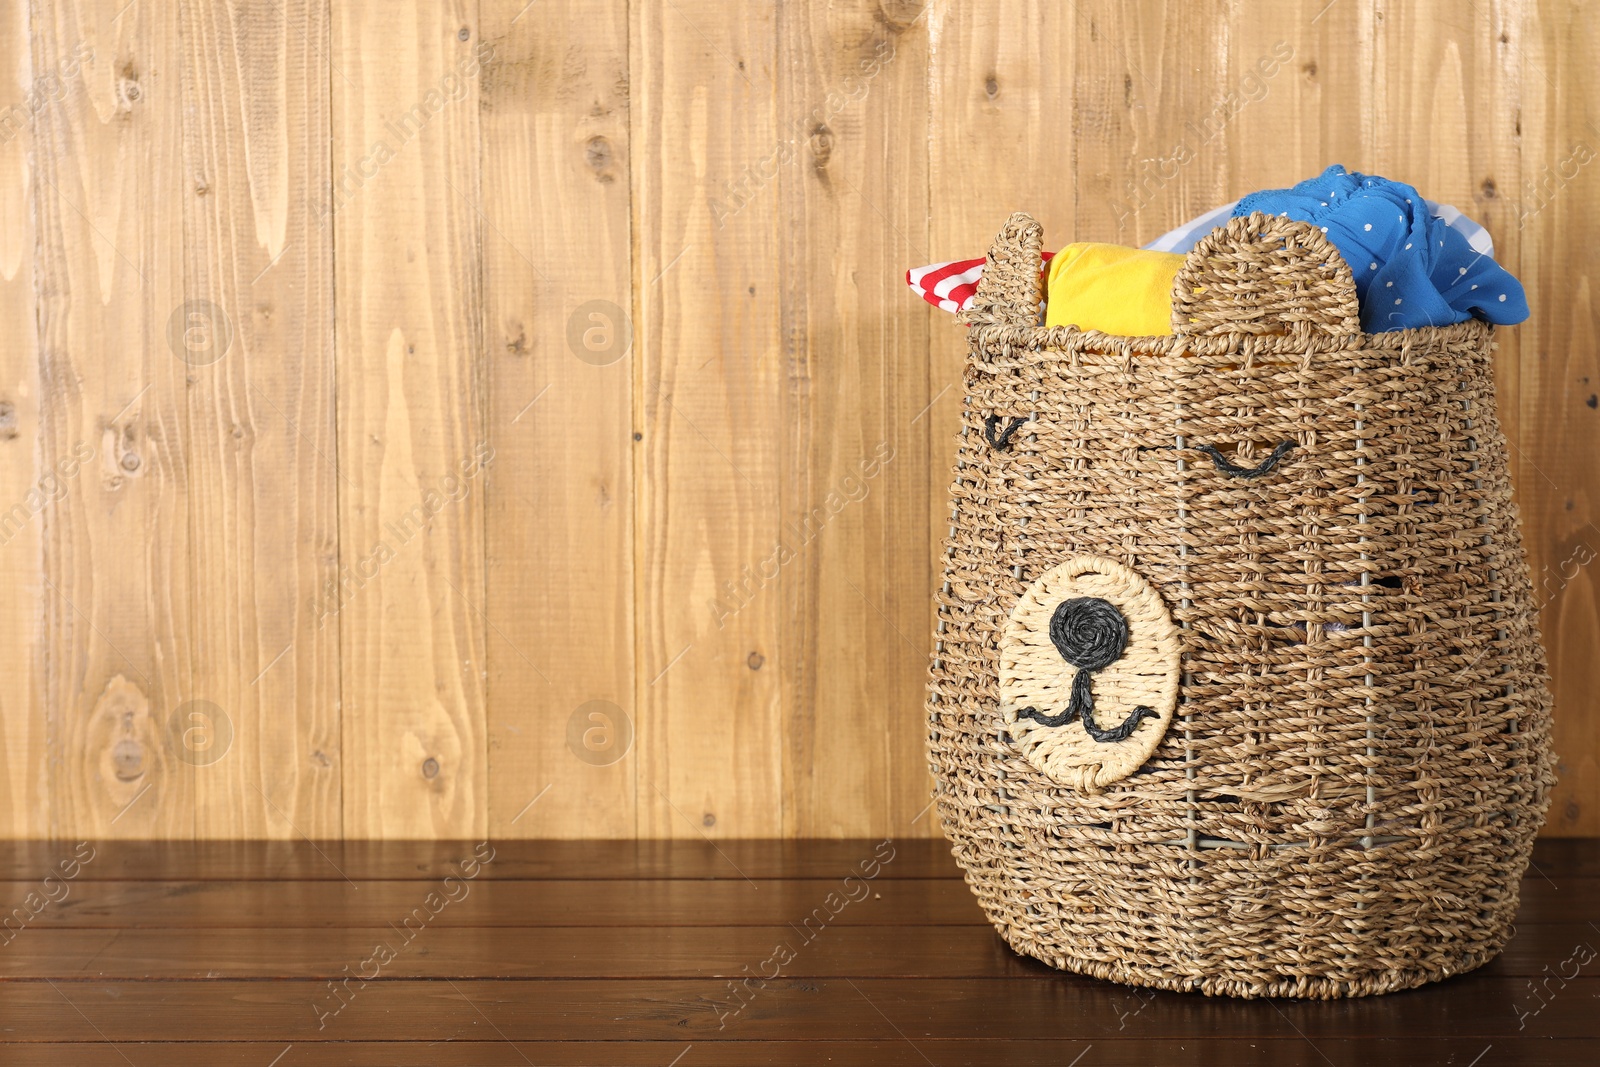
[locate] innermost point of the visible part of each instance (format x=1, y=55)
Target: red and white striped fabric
x=949, y=286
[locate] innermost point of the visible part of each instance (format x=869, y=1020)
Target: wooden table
x=292, y=953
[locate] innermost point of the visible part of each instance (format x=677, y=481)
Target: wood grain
x=358, y=861
x=109, y=206
x=1553, y=375
x=469, y=952
x=263, y=731
x=851, y=211
x=710, y=383
x=1003, y=96
x=504, y=902
x=557, y=321
x=1300, y=75
x=1049, y=1007
x=1152, y=149
x=488, y=1051
x=412, y=434
x=509, y=901
x=419, y=949
x=24, y=803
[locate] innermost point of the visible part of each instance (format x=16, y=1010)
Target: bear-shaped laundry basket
x=1237, y=684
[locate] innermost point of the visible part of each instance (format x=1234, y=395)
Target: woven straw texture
x=1359, y=759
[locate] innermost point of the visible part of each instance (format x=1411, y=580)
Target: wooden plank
x=710, y=382
x=1552, y=376
x=852, y=91
x=1570, y=899
x=26, y=492
x=360, y=861
x=706, y=1011
x=263, y=728
x=1000, y=105
x=602, y=902
x=1147, y=78
x=488, y=1051
x=1440, y=66
x=558, y=324
x=1299, y=80
x=1562, y=858
x=1556, y=862
x=412, y=440
x=506, y=903
x=408, y=944
x=109, y=203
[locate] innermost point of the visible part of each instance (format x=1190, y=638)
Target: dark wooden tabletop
x=286, y=954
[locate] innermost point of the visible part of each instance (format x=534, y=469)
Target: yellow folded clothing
x=1113, y=289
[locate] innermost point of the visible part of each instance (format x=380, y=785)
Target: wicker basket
x=1313, y=759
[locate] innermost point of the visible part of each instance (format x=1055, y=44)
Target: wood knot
x=598, y=154
x=897, y=16
x=821, y=146
x=127, y=759
x=518, y=345
x=129, y=91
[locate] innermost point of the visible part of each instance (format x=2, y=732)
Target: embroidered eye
x=998, y=431
x=1226, y=466
x=1224, y=462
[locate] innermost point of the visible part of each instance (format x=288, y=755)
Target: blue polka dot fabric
x=1411, y=268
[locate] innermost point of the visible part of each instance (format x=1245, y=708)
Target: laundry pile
x=1415, y=262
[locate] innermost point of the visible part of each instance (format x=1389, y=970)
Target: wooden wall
x=501, y=418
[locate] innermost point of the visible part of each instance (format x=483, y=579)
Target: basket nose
x=1089, y=632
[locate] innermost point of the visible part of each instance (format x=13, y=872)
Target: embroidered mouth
x=1090, y=634
x=1090, y=727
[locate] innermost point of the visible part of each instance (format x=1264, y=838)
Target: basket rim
x=1095, y=342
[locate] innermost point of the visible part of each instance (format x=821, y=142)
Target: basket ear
x=1011, y=287
x=1264, y=274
